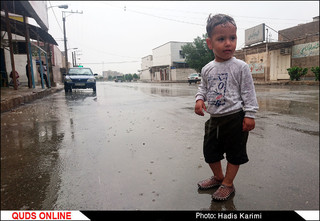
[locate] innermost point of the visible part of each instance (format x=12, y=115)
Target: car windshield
x=193, y=75
x=80, y=71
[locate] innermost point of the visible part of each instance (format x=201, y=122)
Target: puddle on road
x=31, y=137
x=169, y=90
x=289, y=100
x=81, y=95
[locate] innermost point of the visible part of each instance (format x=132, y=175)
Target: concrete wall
x=181, y=74
x=145, y=75
x=258, y=64
x=58, y=62
x=20, y=66
x=162, y=55
x=146, y=64
x=305, y=54
x=20, y=61
x=300, y=31
x=58, y=58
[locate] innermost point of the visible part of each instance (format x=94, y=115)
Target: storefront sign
x=305, y=50
x=255, y=34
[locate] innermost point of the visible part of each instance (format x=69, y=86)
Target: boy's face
x=223, y=42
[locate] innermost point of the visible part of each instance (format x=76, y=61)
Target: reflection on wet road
x=294, y=100
x=139, y=146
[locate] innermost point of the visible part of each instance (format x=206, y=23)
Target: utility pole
x=75, y=58
x=65, y=42
x=65, y=36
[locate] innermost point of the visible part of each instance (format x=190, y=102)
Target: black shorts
x=225, y=135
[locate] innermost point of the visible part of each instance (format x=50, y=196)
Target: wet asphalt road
x=139, y=146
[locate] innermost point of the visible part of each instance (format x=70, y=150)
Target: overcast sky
x=116, y=35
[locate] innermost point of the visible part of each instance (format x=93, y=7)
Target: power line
x=112, y=54
x=277, y=32
x=115, y=62
x=156, y=16
x=170, y=19
x=56, y=17
x=194, y=12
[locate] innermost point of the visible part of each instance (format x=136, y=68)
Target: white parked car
x=195, y=77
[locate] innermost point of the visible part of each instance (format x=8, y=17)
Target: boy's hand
x=199, y=106
x=248, y=124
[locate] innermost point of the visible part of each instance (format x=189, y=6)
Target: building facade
x=267, y=61
x=17, y=49
x=167, y=63
x=305, y=49
x=110, y=74
x=296, y=46
x=146, y=65
x=57, y=61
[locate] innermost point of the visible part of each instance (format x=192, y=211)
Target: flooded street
x=136, y=146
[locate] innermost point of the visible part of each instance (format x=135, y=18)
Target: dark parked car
x=194, y=78
x=79, y=77
x=119, y=79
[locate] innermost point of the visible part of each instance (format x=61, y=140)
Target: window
x=182, y=56
x=80, y=71
x=19, y=47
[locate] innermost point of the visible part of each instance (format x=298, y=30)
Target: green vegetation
x=315, y=70
x=197, y=53
x=296, y=73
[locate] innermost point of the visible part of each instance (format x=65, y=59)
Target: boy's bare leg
x=230, y=174
x=217, y=170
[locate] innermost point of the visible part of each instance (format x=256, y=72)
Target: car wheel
x=66, y=89
x=94, y=89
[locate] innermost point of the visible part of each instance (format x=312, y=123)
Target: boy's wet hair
x=216, y=20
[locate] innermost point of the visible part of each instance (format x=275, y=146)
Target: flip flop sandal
x=223, y=193
x=209, y=183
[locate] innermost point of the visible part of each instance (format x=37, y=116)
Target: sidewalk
x=11, y=98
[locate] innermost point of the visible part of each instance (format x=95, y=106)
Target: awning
x=24, y=8
x=15, y=7
x=18, y=28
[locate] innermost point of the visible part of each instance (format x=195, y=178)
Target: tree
x=128, y=77
x=135, y=76
x=197, y=53
x=110, y=78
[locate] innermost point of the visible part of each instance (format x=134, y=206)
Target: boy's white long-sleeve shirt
x=228, y=88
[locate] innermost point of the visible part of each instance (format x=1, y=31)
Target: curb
x=308, y=83
x=17, y=100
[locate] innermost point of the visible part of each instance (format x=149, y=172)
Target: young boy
x=228, y=88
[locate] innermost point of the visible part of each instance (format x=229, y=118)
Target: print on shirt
x=217, y=89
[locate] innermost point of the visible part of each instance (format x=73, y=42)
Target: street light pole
x=73, y=56
x=64, y=35
x=58, y=6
